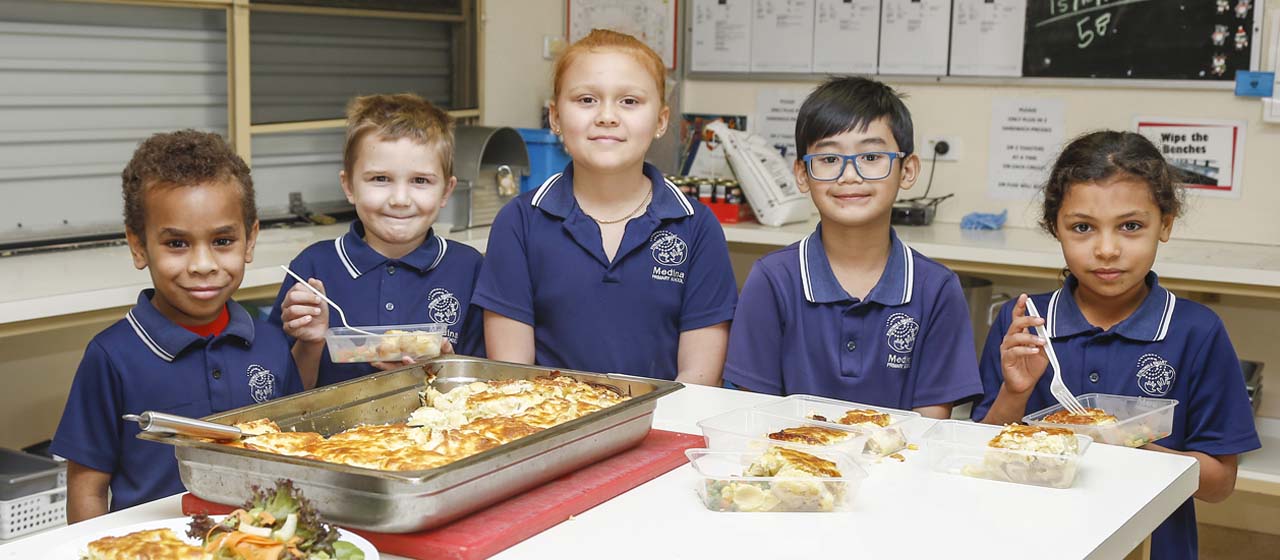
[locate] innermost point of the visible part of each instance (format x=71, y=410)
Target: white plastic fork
x=335, y=306
x=1056, y=387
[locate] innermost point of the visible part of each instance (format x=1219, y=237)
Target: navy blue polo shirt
x=546, y=267
x=908, y=344
x=147, y=362
x=1169, y=348
x=432, y=284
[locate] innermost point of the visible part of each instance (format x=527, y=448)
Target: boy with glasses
x=850, y=312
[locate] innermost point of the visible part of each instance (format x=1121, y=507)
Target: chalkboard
x=1139, y=39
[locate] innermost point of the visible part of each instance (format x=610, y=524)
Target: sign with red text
x=1208, y=153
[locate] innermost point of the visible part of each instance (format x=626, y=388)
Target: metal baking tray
x=408, y=501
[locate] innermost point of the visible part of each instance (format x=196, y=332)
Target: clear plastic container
x=881, y=441
x=1139, y=420
x=723, y=487
x=747, y=429
x=391, y=344
x=959, y=447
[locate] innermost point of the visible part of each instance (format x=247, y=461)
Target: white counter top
x=1120, y=496
x=58, y=283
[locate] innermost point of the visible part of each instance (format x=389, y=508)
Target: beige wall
x=516, y=77
x=37, y=370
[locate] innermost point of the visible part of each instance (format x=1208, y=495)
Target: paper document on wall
x=846, y=36
x=721, y=38
x=1026, y=136
x=782, y=36
x=913, y=37
x=651, y=21
x=1209, y=153
x=987, y=37
x=776, y=111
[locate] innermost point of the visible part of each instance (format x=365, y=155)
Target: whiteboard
x=651, y=21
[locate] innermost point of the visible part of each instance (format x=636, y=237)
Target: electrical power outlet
x=552, y=46
x=953, y=148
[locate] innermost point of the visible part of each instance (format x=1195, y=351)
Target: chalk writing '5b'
x=1099, y=28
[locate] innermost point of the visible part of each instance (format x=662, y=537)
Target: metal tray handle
x=159, y=422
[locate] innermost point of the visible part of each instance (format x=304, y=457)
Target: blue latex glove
x=978, y=220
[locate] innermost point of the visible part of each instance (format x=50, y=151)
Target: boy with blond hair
x=391, y=268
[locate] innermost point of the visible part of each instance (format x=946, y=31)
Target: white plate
x=76, y=548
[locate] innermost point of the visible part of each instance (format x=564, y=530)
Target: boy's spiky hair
x=847, y=103
x=396, y=116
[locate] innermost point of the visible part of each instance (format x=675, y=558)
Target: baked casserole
x=798, y=481
x=1036, y=455
x=448, y=426
x=881, y=438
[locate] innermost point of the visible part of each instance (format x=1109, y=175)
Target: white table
x=902, y=511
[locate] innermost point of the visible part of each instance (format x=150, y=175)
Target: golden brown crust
x=811, y=435
x=258, y=427
x=153, y=544
x=792, y=460
x=296, y=444
x=469, y=419
x=1092, y=416
x=1014, y=436
x=501, y=429
x=414, y=459
x=864, y=416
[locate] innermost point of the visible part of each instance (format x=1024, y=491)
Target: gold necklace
x=648, y=195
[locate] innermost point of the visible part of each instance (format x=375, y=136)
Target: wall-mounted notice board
x=1155, y=41
x=1143, y=39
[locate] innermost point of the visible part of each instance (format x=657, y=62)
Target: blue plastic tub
x=546, y=156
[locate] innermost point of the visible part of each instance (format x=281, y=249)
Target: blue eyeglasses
x=871, y=166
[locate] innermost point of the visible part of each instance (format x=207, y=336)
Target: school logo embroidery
x=262, y=383
x=443, y=306
x=1155, y=375
x=901, y=330
x=668, y=249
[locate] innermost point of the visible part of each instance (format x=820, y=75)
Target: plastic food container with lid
x=387, y=344
x=722, y=486
x=1139, y=420
x=961, y=447
x=881, y=441
x=748, y=429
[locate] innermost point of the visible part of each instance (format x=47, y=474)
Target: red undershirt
x=214, y=328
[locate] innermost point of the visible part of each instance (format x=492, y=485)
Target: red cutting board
x=489, y=531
